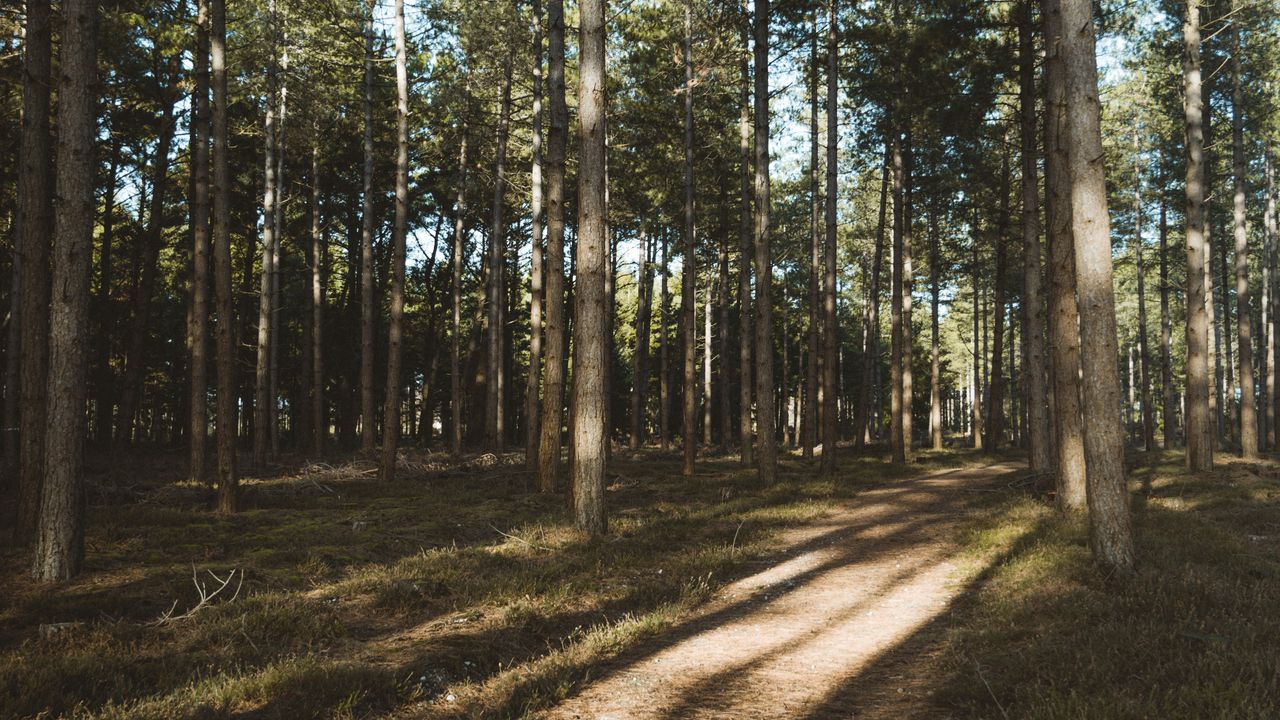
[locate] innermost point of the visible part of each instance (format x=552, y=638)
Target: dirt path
x=792, y=640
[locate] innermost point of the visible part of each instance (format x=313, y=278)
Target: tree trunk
x=457, y=254
x=367, y=438
x=391, y=400
x=1144, y=354
x=830, y=325
x=589, y=343
x=262, y=380
x=1269, y=299
x=554, y=360
x=1198, y=418
x=816, y=313
x=1244, y=318
x=768, y=451
x=1063, y=309
x=1168, y=421
x=495, y=431
x=1269, y=228
x=707, y=349
x=935, y=365
x=533, y=385
x=226, y=419
x=1033, y=320
x=640, y=358
x=722, y=378
x=319, y=418
x=896, y=438
x=200, y=251
x=908, y=283
x=273, y=361
x=60, y=543
x=745, y=368
x=664, y=353
x=689, y=269
x=995, y=395
x=31, y=299
x=871, y=341
x=1108, y=497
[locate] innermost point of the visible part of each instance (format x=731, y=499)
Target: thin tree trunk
x=319, y=418
x=367, y=437
x=1168, y=420
x=1198, y=419
x=664, y=353
x=1063, y=309
x=745, y=368
x=1269, y=299
x=199, y=401
x=457, y=254
x=722, y=377
x=816, y=313
x=273, y=369
x=688, y=271
x=871, y=342
x=1269, y=228
x=1244, y=318
x=1033, y=319
x=1110, y=535
x=975, y=404
x=554, y=359
x=908, y=283
x=830, y=325
x=495, y=431
x=60, y=543
x=262, y=381
x=1144, y=354
x=533, y=385
x=589, y=343
x=935, y=365
x=768, y=453
x=995, y=395
x=896, y=438
x=391, y=400
x=640, y=358
x=707, y=349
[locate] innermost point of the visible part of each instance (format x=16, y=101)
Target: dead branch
x=206, y=595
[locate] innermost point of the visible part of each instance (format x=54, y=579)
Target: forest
x=639, y=359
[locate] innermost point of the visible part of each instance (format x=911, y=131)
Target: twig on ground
x=206, y=595
x=519, y=539
x=978, y=666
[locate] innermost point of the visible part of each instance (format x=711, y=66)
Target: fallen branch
x=206, y=595
x=520, y=540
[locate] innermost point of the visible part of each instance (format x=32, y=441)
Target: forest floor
x=947, y=588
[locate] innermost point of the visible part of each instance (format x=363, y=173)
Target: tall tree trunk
x=1063, y=309
x=589, y=343
x=935, y=364
x=871, y=340
x=707, y=349
x=640, y=358
x=319, y=418
x=495, y=431
x=262, y=380
x=1269, y=228
x=367, y=437
x=975, y=404
x=830, y=325
x=1170, y=411
x=60, y=542
x=768, y=451
x=1110, y=534
x=395, y=332
x=995, y=396
x=745, y=368
x=225, y=339
x=554, y=360
x=908, y=283
x=664, y=352
x=35, y=210
x=688, y=271
x=104, y=380
x=273, y=356
x=896, y=438
x=1198, y=418
x=1244, y=318
x=816, y=314
x=1144, y=354
x=534, y=383
x=199, y=331
x=1033, y=320
x=456, y=257
x=724, y=372
x=1269, y=299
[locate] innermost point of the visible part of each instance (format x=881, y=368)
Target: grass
x=450, y=592
x=1194, y=635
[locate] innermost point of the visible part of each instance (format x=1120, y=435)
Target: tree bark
x=995, y=394
x=768, y=452
x=688, y=270
x=935, y=364
x=395, y=332
x=1244, y=318
x=31, y=299
x=1269, y=228
x=1033, y=320
x=534, y=383
x=1170, y=411
x=871, y=341
x=262, y=381
x=1144, y=354
x=319, y=418
x=746, y=370
x=897, y=445
x=830, y=325
x=554, y=360
x=1063, y=309
x=457, y=254
x=816, y=313
x=60, y=543
x=1198, y=419
x=495, y=420
x=589, y=343
x=1110, y=534
x=226, y=427
x=199, y=401
x=367, y=437
x=640, y=358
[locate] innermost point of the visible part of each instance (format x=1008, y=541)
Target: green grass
x=444, y=593
x=1194, y=635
